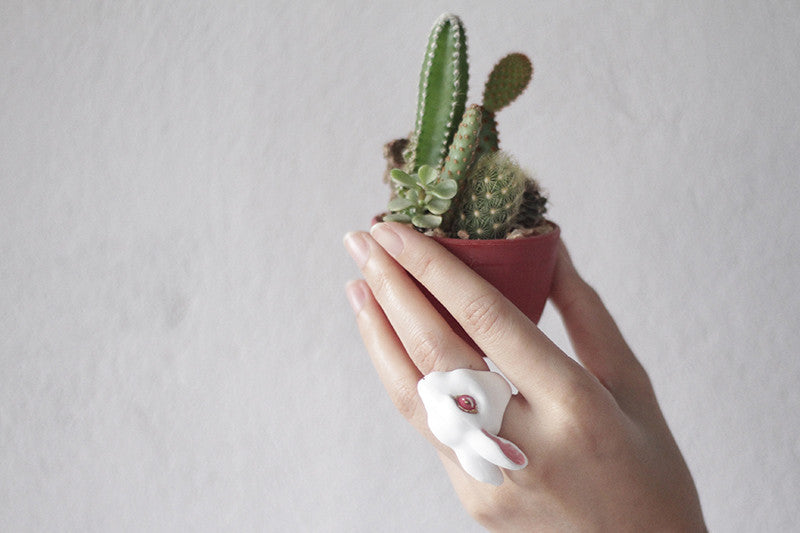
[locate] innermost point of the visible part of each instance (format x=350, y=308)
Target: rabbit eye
x=467, y=403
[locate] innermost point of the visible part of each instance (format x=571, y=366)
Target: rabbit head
x=465, y=411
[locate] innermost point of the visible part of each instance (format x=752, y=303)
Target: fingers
x=422, y=331
x=524, y=354
x=595, y=336
x=396, y=371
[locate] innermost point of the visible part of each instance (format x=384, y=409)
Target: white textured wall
x=176, y=352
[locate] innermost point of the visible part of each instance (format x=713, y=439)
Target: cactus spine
x=442, y=93
x=488, y=141
x=462, y=150
x=461, y=156
x=533, y=207
x=492, y=196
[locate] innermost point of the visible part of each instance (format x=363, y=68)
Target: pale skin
x=601, y=455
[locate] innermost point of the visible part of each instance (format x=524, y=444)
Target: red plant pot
x=521, y=269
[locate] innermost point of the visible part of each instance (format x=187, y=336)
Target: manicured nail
x=356, y=292
x=386, y=237
x=357, y=247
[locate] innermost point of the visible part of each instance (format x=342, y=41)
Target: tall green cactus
x=443, y=87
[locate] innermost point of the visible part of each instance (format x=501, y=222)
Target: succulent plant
x=421, y=197
x=452, y=175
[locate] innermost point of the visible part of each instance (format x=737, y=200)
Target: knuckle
x=483, y=314
x=379, y=282
x=426, y=350
x=579, y=400
x=422, y=266
x=493, y=509
x=405, y=399
x=586, y=423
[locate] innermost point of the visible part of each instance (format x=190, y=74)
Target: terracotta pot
x=521, y=269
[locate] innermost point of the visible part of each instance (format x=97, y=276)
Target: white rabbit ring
x=465, y=411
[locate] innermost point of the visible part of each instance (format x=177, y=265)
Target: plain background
x=176, y=352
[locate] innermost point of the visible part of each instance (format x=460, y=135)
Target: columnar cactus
x=462, y=150
x=461, y=156
x=454, y=178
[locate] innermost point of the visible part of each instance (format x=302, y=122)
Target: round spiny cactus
x=491, y=197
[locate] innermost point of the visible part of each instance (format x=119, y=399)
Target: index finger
x=518, y=348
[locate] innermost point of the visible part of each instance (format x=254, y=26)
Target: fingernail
x=357, y=247
x=356, y=294
x=387, y=238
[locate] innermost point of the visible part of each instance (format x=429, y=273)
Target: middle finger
x=431, y=344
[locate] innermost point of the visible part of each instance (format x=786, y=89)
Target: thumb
x=595, y=337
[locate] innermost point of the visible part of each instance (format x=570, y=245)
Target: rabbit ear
x=499, y=451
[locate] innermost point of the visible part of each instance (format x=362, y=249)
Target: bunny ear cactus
x=508, y=79
x=452, y=177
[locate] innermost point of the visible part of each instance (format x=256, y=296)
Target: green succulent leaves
x=421, y=198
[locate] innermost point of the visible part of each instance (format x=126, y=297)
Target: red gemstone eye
x=467, y=403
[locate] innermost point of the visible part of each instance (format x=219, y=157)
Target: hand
x=601, y=455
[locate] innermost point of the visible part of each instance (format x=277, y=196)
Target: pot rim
x=455, y=241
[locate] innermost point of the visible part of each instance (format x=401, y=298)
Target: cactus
x=462, y=150
x=509, y=77
x=462, y=155
x=442, y=93
x=492, y=197
x=533, y=207
x=476, y=191
x=488, y=141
